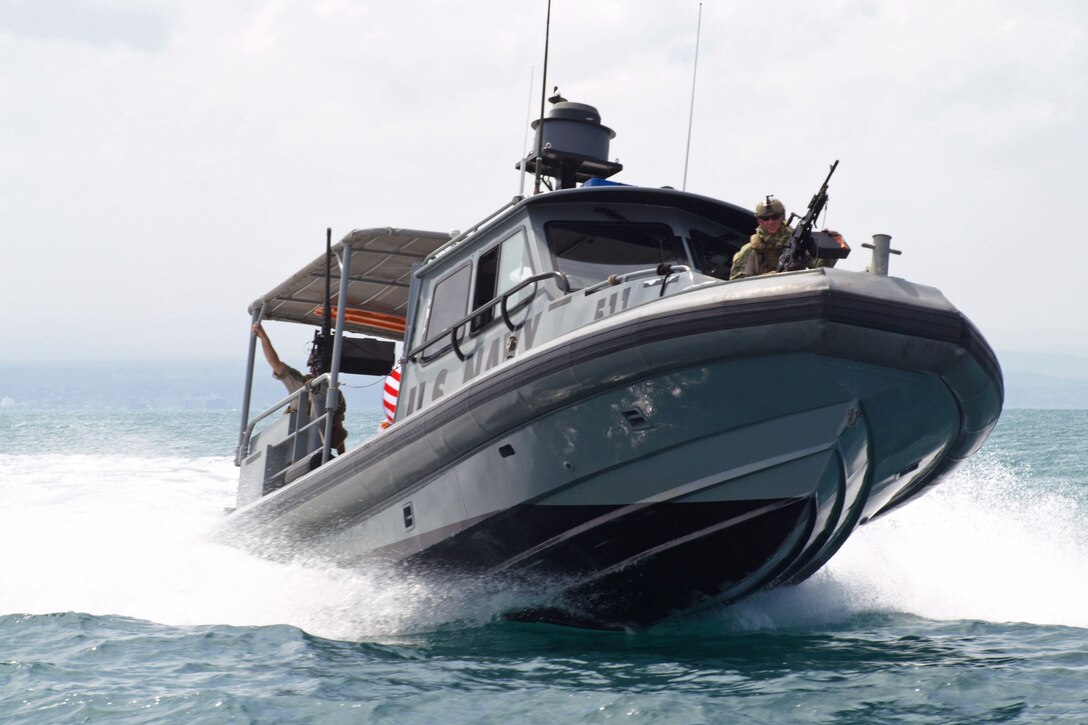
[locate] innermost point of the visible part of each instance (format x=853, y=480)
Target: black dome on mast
x=571, y=145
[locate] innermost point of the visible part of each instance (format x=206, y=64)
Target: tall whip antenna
x=691, y=112
x=525, y=140
x=543, y=92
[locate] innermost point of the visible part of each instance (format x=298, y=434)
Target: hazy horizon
x=1031, y=381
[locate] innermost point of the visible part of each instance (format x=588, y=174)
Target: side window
x=448, y=303
x=515, y=266
x=499, y=270
x=714, y=254
x=487, y=269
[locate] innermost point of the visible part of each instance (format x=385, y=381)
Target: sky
x=163, y=164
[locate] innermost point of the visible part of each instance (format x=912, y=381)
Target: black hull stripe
x=705, y=552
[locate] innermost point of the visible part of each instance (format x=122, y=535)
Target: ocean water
x=117, y=605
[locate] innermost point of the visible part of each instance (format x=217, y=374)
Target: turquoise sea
x=118, y=606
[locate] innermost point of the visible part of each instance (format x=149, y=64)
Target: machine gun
x=805, y=244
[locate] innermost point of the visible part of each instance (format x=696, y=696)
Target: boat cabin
x=539, y=268
x=463, y=307
x=489, y=295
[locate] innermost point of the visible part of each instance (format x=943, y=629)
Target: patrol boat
x=588, y=405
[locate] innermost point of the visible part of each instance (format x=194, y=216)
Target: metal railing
x=301, y=423
x=452, y=331
x=664, y=271
x=462, y=236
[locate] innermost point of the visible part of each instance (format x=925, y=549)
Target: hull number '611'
x=613, y=303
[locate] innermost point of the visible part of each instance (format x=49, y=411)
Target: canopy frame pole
x=247, y=393
x=332, y=399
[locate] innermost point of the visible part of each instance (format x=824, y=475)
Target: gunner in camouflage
x=760, y=255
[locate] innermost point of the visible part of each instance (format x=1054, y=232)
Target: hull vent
x=635, y=420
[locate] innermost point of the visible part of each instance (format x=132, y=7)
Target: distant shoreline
x=1032, y=381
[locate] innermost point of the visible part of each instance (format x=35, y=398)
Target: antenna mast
x=543, y=92
x=525, y=140
x=691, y=112
x=326, y=319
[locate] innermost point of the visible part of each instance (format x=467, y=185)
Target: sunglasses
x=769, y=217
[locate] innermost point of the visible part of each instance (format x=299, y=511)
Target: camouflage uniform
x=292, y=379
x=760, y=255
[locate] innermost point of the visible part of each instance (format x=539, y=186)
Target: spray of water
x=990, y=544
x=131, y=536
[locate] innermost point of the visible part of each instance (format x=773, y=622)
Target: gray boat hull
x=688, y=453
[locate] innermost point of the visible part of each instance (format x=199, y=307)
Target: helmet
x=770, y=205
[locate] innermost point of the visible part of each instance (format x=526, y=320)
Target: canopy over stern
x=378, y=282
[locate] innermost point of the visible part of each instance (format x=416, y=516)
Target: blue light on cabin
x=595, y=181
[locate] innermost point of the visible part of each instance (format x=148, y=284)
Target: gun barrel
x=801, y=242
x=820, y=198
x=823, y=187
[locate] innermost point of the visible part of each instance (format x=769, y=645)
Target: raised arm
x=270, y=355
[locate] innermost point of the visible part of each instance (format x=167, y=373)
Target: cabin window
x=515, y=266
x=714, y=253
x=589, y=252
x=448, y=303
x=487, y=271
x=499, y=270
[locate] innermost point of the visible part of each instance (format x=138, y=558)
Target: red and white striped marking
x=389, y=395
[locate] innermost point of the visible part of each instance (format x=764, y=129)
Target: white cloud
x=172, y=165
x=138, y=25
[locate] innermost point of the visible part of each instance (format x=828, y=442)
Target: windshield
x=714, y=252
x=589, y=252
